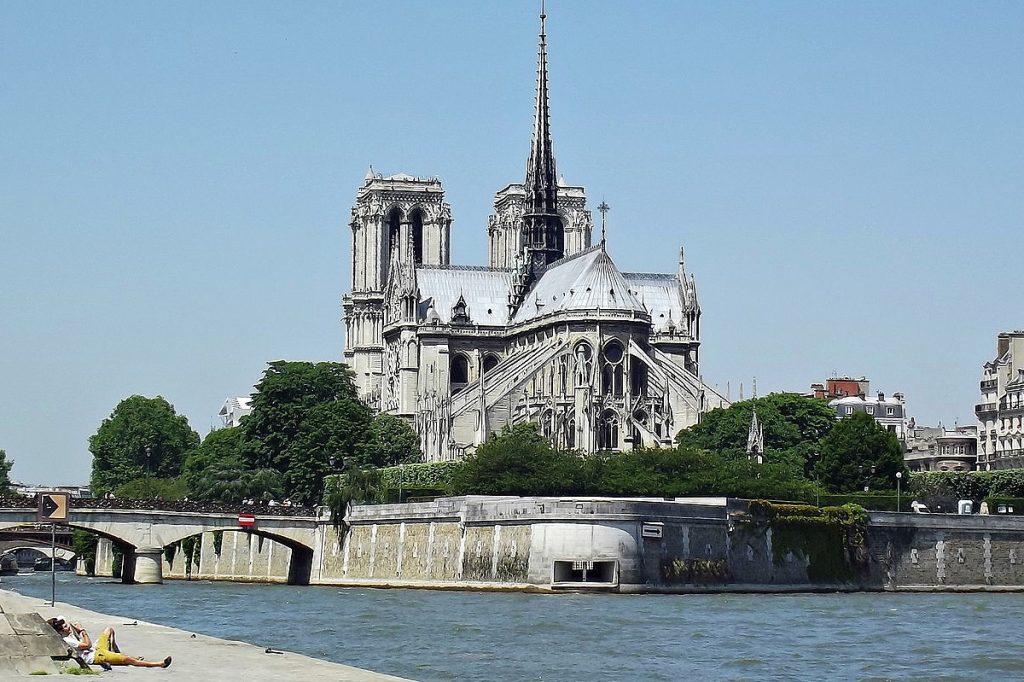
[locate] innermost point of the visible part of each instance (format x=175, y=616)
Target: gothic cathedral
x=549, y=332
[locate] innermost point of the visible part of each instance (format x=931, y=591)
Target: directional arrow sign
x=52, y=507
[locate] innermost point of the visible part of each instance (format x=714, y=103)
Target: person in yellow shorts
x=104, y=652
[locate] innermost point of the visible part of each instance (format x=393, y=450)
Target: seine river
x=433, y=636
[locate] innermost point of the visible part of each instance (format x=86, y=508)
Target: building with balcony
x=936, y=448
x=1000, y=412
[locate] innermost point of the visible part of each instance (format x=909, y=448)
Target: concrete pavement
x=195, y=656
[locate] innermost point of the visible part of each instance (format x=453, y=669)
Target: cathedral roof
x=662, y=296
x=485, y=291
x=586, y=281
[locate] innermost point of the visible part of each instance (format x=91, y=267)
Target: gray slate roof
x=586, y=281
x=485, y=291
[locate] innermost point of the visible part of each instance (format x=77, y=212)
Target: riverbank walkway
x=195, y=656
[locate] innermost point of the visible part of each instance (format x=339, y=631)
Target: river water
x=434, y=636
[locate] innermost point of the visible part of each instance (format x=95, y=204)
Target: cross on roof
x=603, y=207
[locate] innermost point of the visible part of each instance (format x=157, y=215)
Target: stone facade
x=549, y=332
x=936, y=448
x=1001, y=410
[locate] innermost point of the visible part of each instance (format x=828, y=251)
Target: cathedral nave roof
x=485, y=291
x=588, y=280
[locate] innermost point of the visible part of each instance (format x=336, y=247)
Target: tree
x=283, y=399
x=789, y=420
x=858, y=452
x=793, y=429
x=391, y=441
x=519, y=461
x=216, y=471
x=142, y=437
x=5, y=472
x=331, y=433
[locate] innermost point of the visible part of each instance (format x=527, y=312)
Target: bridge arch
x=144, y=533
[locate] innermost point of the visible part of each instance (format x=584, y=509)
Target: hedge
x=967, y=485
x=873, y=501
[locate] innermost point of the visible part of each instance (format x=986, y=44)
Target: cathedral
x=550, y=331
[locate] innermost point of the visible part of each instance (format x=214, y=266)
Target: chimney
x=881, y=397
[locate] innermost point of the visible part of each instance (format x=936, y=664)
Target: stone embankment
x=195, y=656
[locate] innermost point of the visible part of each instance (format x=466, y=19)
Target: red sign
x=246, y=520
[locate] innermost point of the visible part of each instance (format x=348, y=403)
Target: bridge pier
x=148, y=566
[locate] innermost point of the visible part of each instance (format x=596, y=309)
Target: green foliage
x=191, y=546
x=5, y=472
x=119, y=446
x=1017, y=503
x=220, y=451
x=117, y=561
x=169, y=552
x=390, y=441
x=519, y=461
x=789, y=420
x=858, y=451
x=420, y=476
x=967, y=485
x=84, y=544
x=826, y=537
x=283, y=399
x=152, y=489
x=875, y=501
x=330, y=430
x=355, y=486
x=304, y=415
x=218, y=541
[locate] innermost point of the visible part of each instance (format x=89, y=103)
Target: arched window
x=611, y=369
x=490, y=362
x=637, y=378
x=459, y=372
x=608, y=431
x=394, y=238
x=570, y=433
x=584, y=363
x=416, y=220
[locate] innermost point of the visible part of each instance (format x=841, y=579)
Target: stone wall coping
x=952, y=522
x=481, y=510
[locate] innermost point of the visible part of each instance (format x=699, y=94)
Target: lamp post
x=401, y=478
x=149, y=472
x=899, y=477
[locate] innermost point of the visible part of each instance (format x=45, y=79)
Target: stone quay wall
x=624, y=545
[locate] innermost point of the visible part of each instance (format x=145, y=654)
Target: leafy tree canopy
x=519, y=461
x=789, y=420
x=152, y=489
x=5, y=472
x=142, y=437
x=329, y=434
x=390, y=441
x=283, y=399
x=857, y=452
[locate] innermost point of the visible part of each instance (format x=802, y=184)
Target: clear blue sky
x=175, y=179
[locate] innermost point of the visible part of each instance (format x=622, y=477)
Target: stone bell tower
x=397, y=218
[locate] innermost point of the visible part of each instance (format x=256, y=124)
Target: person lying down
x=104, y=651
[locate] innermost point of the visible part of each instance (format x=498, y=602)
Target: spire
x=755, y=437
x=542, y=224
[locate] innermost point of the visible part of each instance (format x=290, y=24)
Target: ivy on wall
x=832, y=539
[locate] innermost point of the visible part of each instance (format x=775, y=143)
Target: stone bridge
x=142, y=528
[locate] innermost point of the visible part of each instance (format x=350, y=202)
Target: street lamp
x=401, y=477
x=899, y=477
x=149, y=472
